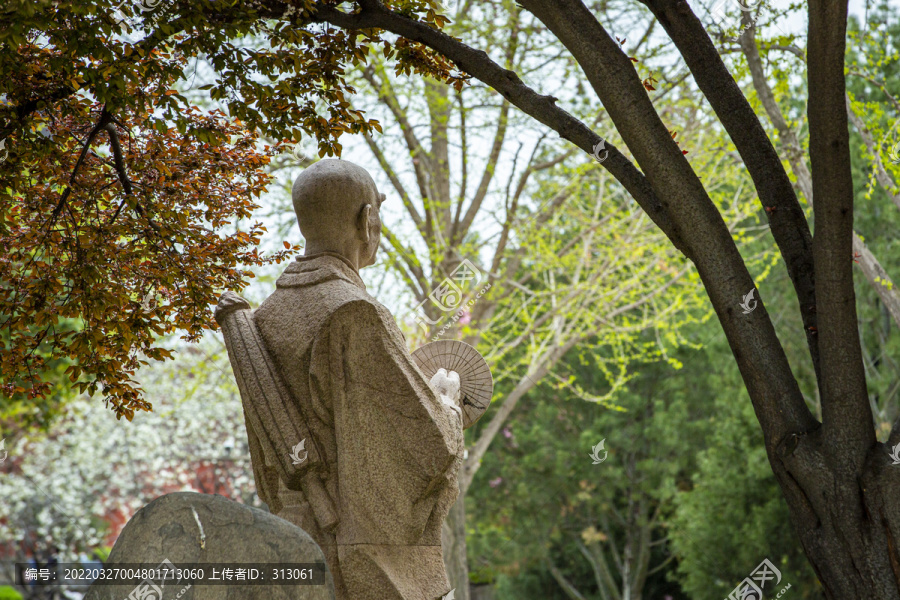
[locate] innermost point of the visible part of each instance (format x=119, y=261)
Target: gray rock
x=187, y=528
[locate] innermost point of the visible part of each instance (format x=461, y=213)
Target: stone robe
x=391, y=447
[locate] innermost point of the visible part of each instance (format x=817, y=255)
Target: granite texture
x=323, y=362
x=187, y=528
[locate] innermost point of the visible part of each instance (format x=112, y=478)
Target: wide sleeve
x=398, y=446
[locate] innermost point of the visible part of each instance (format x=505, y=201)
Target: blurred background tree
x=595, y=326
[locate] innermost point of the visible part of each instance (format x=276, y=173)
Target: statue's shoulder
x=319, y=301
x=364, y=306
x=318, y=293
x=315, y=289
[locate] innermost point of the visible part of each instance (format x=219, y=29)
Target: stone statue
x=349, y=440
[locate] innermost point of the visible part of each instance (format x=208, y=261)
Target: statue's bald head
x=330, y=199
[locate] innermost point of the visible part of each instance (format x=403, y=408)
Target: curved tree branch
x=697, y=222
x=460, y=230
x=417, y=282
x=398, y=185
x=786, y=218
x=542, y=108
x=421, y=159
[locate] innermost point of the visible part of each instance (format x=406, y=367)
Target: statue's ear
x=362, y=222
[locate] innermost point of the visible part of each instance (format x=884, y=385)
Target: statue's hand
x=446, y=384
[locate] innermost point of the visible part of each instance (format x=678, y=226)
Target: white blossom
x=59, y=488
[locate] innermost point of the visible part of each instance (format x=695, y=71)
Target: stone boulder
x=187, y=528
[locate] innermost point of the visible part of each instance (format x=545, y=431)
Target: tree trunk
x=453, y=539
x=848, y=524
x=835, y=475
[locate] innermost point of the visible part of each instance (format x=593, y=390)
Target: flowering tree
x=75, y=486
x=118, y=226
x=833, y=471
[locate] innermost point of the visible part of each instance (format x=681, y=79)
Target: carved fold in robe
x=392, y=450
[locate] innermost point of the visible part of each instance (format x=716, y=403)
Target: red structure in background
x=205, y=477
x=209, y=478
